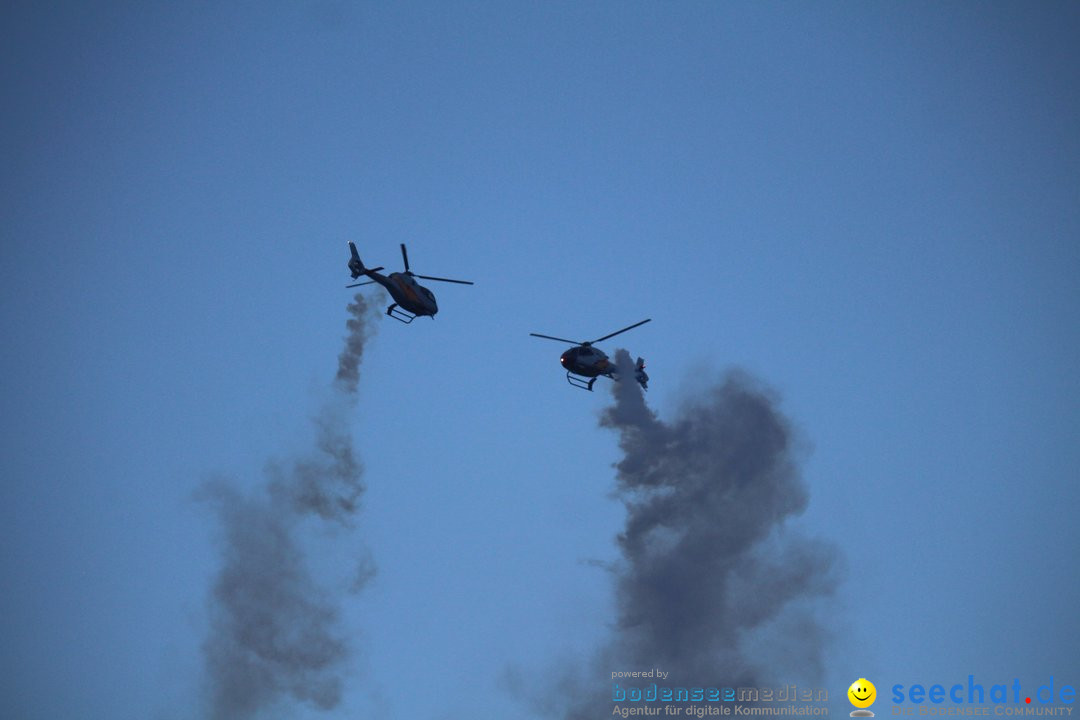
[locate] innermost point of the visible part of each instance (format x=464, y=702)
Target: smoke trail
x=274, y=631
x=708, y=568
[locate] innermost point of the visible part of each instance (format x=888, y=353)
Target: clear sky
x=872, y=208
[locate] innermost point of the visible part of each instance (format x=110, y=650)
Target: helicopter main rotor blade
x=366, y=282
x=460, y=282
x=405, y=257
x=631, y=327
x=551, y=337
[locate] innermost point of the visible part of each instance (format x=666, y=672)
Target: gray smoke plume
x=709, y=573
x=274, y=632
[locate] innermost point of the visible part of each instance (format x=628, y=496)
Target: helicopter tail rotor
x=356, y=265
x=640, y=375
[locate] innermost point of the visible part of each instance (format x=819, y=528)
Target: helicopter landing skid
x=580, y=382
x=400, y=315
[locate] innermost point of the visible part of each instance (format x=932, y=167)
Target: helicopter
x=585, y=363
x=411, y=299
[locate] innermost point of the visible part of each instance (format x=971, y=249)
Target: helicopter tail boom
x=356, y=268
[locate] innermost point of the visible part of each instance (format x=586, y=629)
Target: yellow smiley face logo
x=862, y=693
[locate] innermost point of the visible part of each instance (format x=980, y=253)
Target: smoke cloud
x=709, y=574
x=274, y=631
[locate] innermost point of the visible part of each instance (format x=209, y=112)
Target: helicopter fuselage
x=587, y=361
x=407, y=293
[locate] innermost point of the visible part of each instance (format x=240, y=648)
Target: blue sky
x=874, y=209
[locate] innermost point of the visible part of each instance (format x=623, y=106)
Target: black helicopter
x=585, y=363
x=411, y=299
